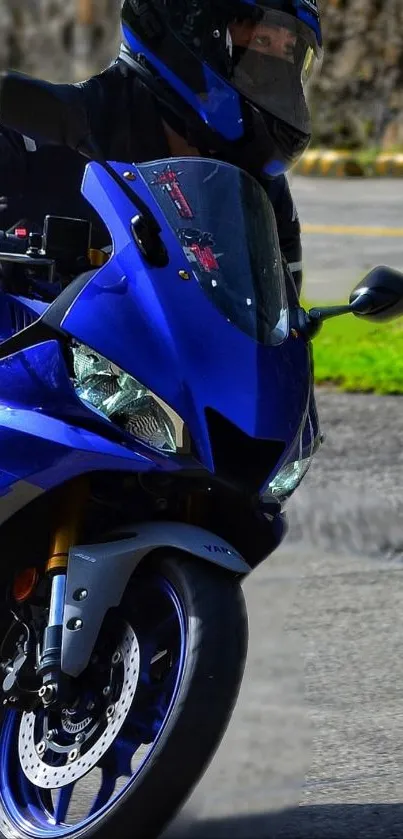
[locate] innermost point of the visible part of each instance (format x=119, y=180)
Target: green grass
x=359, y=356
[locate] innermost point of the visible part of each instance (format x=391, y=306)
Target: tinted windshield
x=227, y=229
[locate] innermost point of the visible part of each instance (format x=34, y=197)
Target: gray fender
x=97, y=577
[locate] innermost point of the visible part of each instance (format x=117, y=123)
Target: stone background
x=358, y=99
x=61, y=40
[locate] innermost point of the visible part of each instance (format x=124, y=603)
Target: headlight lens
x=289, y=478
x=291, y=474
x=108, y=390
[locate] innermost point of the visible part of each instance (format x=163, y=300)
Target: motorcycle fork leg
x=69, y=516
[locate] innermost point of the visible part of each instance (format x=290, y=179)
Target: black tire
x=217, y=643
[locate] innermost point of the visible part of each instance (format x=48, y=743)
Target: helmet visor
x=271, y=56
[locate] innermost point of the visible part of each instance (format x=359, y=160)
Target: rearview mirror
x=379, y=297
x=38, y=108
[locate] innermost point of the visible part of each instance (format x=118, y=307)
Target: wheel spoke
x=117, y=761
x=150, y=658
x=151, y=636
x=147, y=653
x=63, y=803
x=124, y=752
x=104, y=793
x=163, y=626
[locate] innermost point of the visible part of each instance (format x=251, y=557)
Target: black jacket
x=37, y=178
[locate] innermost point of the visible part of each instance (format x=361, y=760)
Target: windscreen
x=227, y=229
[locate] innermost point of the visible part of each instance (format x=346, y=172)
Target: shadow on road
x=332, y=821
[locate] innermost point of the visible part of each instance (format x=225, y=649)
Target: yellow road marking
x=346, y=230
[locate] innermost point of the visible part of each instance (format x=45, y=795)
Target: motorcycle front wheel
x=150, y=712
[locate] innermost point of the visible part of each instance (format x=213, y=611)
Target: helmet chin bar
x=267, y=148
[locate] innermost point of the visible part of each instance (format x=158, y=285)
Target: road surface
x=334, y=262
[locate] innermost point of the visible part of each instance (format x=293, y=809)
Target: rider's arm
x=288, y=225
x=18, y=153
x=37, y=178
x=14, y=150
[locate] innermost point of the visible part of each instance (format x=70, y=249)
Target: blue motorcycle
x=156, y=413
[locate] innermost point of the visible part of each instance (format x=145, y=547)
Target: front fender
x=103, y=571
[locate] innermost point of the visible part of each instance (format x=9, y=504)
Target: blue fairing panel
x=38, y=443
x=167, y=334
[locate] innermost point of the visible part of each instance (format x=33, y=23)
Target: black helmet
x=235, y=72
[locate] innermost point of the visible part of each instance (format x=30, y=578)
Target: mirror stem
x=329, y=312
x=311, y=322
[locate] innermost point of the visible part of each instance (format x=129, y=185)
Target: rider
x=220, y=78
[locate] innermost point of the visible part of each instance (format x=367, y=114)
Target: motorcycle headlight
x=291, y=474
x=288, y=478
x=108, y=390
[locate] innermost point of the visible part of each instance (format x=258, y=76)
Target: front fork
x=71, y=506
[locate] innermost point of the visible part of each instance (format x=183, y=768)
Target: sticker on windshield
x=198, y=247
x=168, y=180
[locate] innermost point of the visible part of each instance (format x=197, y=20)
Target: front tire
x=214, y=628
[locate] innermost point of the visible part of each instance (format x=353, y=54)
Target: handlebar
x=9, y=243
x=13, y=250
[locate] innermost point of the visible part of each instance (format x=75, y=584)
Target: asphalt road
x=334, y=263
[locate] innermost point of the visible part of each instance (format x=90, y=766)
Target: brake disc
x=33, y=752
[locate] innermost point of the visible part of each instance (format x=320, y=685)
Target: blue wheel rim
x=32, y=811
